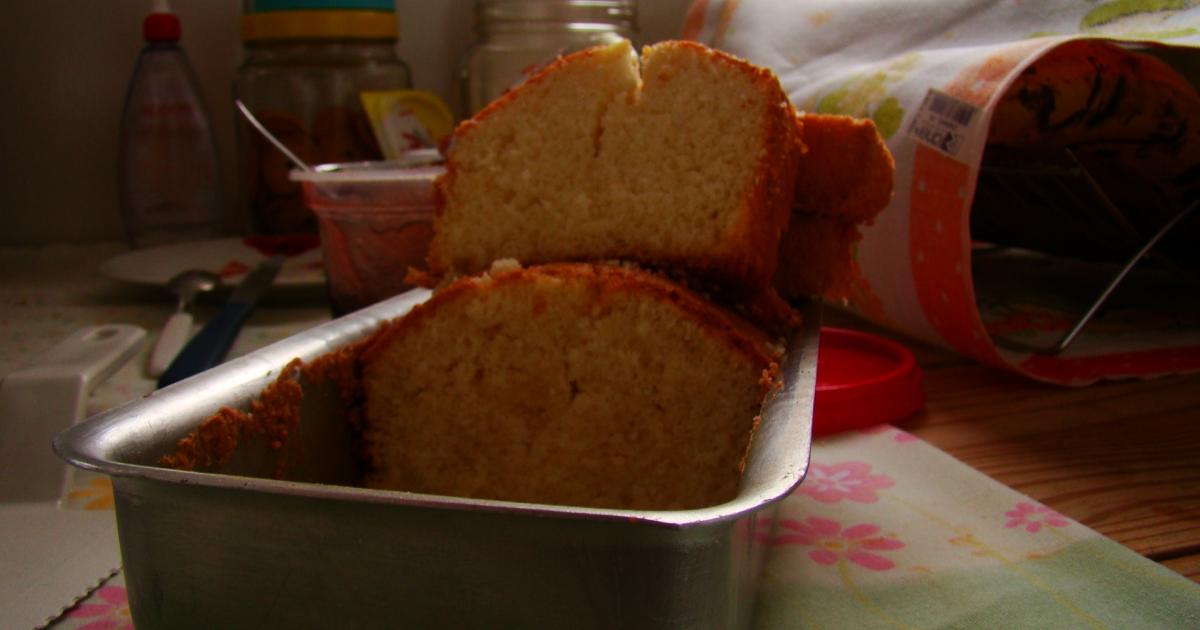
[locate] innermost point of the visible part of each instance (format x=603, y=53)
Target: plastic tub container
x=375, y=221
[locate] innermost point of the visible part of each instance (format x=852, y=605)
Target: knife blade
x=212, y=343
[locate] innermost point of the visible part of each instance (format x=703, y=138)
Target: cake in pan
x=563, y=358
x=595, y=385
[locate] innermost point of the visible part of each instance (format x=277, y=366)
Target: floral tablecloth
x=889, y=532
x=886, y=531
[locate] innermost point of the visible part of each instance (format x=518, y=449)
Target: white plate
x=231, y=258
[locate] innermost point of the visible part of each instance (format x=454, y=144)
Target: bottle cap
x=863, y=380
x=161, y=27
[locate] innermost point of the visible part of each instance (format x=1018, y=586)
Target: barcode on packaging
x=943, y=122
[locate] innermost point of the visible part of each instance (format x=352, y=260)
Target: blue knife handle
x=209, y=346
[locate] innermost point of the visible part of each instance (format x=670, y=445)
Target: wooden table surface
x=1121, y=457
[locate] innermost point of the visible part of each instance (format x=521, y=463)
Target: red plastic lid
x=863, y=380
x=161, y=27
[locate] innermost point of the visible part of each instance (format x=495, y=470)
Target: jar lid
x=601, y=11
x=257, y=6
x=318, y=24
x=863, y=380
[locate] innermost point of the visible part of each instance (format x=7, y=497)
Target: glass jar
x=301, y=76
x=515, y=38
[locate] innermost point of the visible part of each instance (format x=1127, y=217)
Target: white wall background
x=65, y=65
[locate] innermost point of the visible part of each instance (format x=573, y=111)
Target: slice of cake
x=847, y=170
x=573, y=384
x=685, y=162
x=843, y=181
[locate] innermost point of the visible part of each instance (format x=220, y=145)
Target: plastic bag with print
x=963, y=90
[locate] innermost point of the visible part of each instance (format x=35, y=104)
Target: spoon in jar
x=187, y=285
x=254, y=122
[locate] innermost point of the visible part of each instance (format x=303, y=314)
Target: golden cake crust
x=844, y=180
x=847, y=172
x=739, y=334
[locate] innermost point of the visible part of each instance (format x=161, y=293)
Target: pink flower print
x=1033, y=516
x=112, y=613
x=845, y=480
x=856, y=543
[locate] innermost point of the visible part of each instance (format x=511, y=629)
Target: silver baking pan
x=236, y=548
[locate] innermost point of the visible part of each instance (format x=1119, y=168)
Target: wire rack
x=1048, y=201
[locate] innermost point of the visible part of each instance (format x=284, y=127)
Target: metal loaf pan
x=237, y=548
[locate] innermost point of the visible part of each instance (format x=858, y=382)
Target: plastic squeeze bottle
x=168, y=170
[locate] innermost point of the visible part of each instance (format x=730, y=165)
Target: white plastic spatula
x=178, y=326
